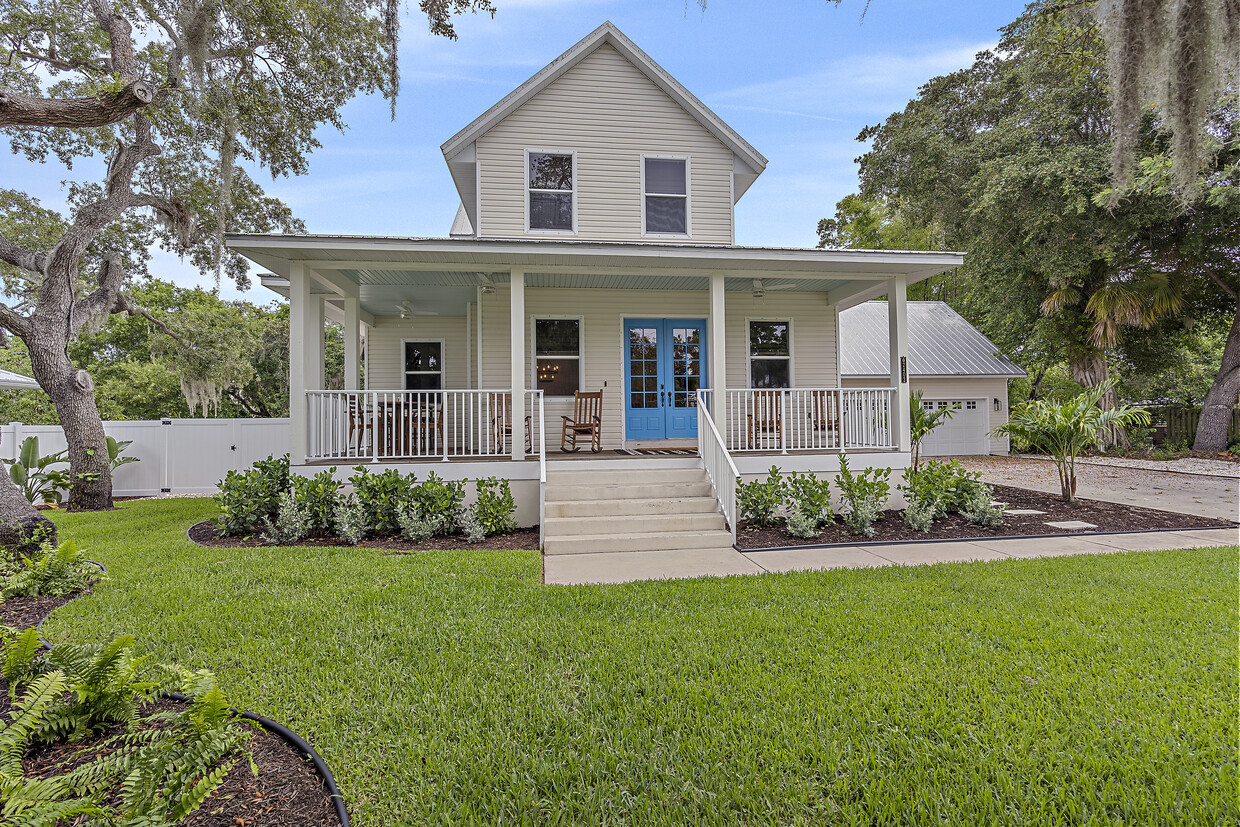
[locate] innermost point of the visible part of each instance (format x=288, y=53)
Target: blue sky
x=797, y=79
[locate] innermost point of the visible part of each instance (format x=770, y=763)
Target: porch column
x=897, y=330
x=717, y=351
x=305, y=355
x=352, y=344
x=516, y=326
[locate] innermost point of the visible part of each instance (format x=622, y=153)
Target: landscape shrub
x=438, y=500
x=317, y=497
x=978, y=508
x=350, y=519
x=381, y=497
x=918, y=513
x=864, y=495
x=414, y=527
x=467, y=523
x=51, y=572
x=495, y=509
x=291, y=525
x=940, y=486
x=801, y=524
x=809, y=498
x=760, y=500
x=249, y=499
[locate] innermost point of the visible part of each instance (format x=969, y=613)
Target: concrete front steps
x=621, y=507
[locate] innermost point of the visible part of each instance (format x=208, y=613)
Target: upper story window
x=665, y=196
x=551, y=181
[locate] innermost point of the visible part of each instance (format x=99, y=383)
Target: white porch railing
x=719, y=465
x=807, y=419
x=392, y=425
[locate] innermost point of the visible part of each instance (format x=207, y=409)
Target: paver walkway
x=624, y=567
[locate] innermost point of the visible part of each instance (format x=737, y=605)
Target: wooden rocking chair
x=585, y=422
x=501, y=421
x=766, y=420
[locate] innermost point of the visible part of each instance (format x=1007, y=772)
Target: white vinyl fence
x=177, y=456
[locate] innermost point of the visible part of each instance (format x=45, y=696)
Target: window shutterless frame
x=687, y=196
x=532, y=348
x=526, y=196
x=750, y=358
x=405, y=374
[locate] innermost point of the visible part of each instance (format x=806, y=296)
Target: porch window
x=665, y=185
x=423, y=365
x=557, y=356
x=551, y=180
x=770, y=358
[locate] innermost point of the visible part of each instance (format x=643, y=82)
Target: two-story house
x=593, y=253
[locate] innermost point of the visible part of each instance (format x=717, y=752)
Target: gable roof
x=606, y=33
x=940, y=343
x=459, y=151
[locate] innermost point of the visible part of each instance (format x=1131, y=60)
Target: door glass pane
x=643, y=367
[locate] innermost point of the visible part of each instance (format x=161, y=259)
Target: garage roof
x=15, y=381
x=940, y=343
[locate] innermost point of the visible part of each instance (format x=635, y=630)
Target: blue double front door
x=664, y=365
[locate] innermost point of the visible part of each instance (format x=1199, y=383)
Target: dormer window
x=665, y=195
x=551, y=181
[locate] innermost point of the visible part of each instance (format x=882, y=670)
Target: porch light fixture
x=998, y=404
x=488, y=286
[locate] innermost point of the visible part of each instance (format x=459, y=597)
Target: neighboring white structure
x=15, y=381
x=949, y=361
x=593, y=251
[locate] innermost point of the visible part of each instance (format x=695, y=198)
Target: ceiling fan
x=406, y=311
x=759, y=289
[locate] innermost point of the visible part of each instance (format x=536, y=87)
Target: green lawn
x=451, y=687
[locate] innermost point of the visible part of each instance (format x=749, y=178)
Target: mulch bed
x=523, y=538
x=1107, y=516
x=288, y=791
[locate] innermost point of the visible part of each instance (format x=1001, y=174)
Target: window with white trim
x=557, y=356
x=423, y=365
x=551, y=179
x=665, y=183
x=770, y=354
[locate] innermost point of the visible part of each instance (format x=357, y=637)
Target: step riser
x=647, y=524
x=623, y=477
x=557, y=492
x=638, y=542
x=632, y=508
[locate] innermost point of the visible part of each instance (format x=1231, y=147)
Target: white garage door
x=964, y=433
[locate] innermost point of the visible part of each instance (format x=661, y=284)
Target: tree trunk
x=73, y=394
x=1089, y=370
x=22, y=527
x=1212, y=428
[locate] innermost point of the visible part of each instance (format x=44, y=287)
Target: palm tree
x=924, y=420
x=1067, y=429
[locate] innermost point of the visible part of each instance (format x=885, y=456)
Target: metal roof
x=15, y=381
x=940, y=343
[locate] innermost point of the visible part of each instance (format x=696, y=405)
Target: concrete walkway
x=624, y=567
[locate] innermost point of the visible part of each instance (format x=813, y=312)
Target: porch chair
x=825, y=418
x=361, y=423
x=500, y=405
x=585, y=422
x=766, y=420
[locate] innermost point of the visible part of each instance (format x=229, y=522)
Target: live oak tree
x=175, y=95
x=1009, y=157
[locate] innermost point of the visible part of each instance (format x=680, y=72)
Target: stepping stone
x=1072, y=525
x=1022, y=512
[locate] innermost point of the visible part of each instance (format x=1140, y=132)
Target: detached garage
x=949, y=361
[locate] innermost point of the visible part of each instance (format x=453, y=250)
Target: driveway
x=1186, y=493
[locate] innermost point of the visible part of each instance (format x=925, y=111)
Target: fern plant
x=106, y=686
x=50, y=573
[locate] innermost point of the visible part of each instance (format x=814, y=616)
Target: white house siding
x=385, y=361
x=983, y=389
x=610, y=114
x=603, y=313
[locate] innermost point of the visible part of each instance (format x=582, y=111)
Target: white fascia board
x=606, y=33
